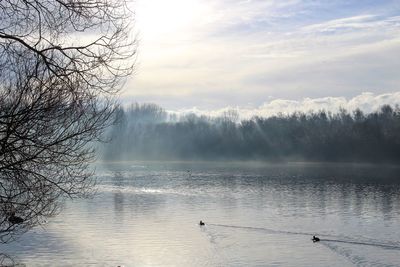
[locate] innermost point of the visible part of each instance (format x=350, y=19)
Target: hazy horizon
x=366, y=102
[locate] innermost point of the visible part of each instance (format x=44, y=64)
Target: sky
x=271, y=55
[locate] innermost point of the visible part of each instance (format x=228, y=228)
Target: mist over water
x=256, y=214
x=147, y=132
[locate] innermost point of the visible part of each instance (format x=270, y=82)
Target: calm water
x=147, y=214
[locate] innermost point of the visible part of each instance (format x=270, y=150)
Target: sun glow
x=157, y=18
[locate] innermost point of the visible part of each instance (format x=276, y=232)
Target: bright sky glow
x=211, y=54
x=159, y=20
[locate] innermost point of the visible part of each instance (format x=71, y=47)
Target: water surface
x=256, y=214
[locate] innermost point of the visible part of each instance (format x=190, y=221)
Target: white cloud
x=350, y=23
x=367, y=102
x=228, y=52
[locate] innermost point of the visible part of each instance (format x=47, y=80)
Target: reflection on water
x=7, y=260
x=256, y=215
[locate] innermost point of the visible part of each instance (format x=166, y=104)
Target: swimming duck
x=202, y=223
x=315, y=239
x=15, y=219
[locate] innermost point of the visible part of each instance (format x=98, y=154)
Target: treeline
x=147, y=132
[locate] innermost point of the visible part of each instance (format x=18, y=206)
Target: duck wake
x=328, y=238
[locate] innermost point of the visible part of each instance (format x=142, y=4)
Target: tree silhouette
x=312, y=136
x=61, y=63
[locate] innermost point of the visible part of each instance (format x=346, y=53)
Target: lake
x=256, y=214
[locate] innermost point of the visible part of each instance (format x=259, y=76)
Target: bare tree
x=61, y=63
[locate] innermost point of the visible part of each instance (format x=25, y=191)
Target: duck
x=315, y=239
x=15, y=219
x=202, y=223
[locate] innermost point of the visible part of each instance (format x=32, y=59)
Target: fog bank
x=148, y=132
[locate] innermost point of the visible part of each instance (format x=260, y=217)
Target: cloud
x=359, y=22
x=367, y=102
x=234, y=52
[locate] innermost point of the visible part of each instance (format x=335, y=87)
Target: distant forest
x=148, y=132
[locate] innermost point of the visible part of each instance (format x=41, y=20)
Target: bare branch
x=61, y=62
